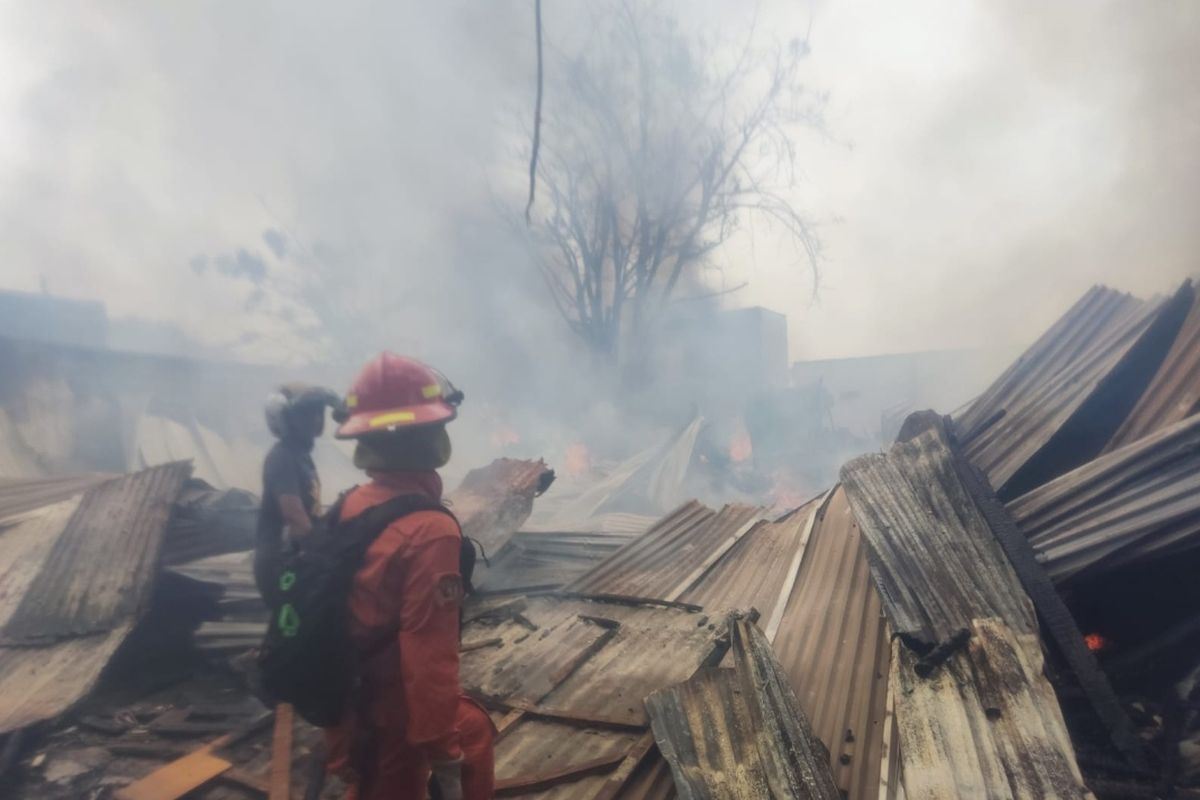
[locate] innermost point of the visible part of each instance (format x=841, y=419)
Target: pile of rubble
x=1001, y=605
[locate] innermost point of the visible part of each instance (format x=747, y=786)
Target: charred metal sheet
x=1061, y=402
x=668, y=560
x=933, y=557
x=987, y=724
x=209, y=522
x=39, y=683
x=494, y=501
x=97, y=574
x=1134, y=503
x=1174, y=394
x=740, y=733
x=548, y=658
x=833, y=644
x=653, y=647
x=544, y=560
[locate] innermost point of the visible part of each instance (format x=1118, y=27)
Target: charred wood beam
x=1126, y=664
x=1053, y=612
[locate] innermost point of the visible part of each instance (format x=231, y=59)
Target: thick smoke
x=308, y=182
x=998, y=159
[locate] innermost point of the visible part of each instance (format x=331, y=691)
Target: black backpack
x=307, y=657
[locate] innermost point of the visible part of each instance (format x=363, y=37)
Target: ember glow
x=505, y=437
x=1096, y=642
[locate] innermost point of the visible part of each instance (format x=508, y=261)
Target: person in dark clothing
x=291, y=494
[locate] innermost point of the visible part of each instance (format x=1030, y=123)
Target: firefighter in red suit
x=412, y=722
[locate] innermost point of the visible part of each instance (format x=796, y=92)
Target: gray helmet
x=284, y=402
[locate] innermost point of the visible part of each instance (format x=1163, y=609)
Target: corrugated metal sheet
x=80, y=566
x=932, y=555
x=39, y=683
x=1139, y=501
x=25, y=542
x=493, y=502
x=833, y=643
x=653, y=647
x=97, y=573
x=1046, y=388
x=618, y=523
x=544, y=560
x=18, y=495
x=985, y=725
x=1175, y=391
x=740, y=733
x=537, y=747
x=752, y=573
x=669, y=559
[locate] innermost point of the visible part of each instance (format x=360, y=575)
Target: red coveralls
x=416, y=712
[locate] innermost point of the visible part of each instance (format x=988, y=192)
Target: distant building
x=869, y=396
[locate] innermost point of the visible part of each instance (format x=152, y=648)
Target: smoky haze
x=305, y=183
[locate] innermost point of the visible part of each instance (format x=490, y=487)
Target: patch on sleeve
x=449, y=590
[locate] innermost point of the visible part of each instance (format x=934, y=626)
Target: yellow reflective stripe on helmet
x=431, y=391
x=351, y=400
x=392, y=418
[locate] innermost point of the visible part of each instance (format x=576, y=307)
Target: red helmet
x=394, y=392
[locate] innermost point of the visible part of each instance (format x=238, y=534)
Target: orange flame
x=741, y=448
x=578, y=460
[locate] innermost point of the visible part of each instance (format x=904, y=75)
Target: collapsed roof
x=910, y=639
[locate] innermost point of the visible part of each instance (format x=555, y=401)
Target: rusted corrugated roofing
x=74, y=576
x=1060, y=403
x=983, y=721
x=830, y=635
x=537, y=747
x=740, y=733
x=1139, y=501
x=753, y=572
x=932, y=554
x=832, y=640
x=652, y=647
x=1175, y=391
x=580, y=669
x=669, y=559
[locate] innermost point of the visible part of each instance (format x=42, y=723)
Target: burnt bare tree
x=655, y=147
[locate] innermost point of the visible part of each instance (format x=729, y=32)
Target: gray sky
x=985, y=161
